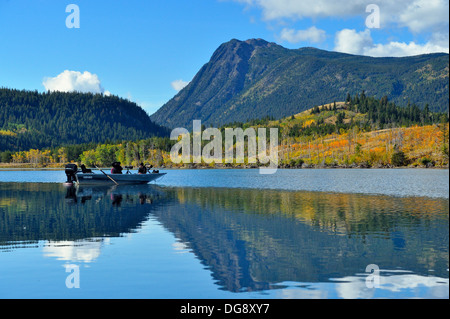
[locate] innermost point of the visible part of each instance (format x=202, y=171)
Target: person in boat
x=116, y=168
x=142, y=169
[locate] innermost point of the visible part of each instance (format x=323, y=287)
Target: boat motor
x=71, y=173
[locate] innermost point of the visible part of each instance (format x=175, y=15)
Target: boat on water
x=93, y=178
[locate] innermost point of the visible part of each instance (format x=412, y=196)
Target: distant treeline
x=129, y=152
x=379, y=114
x=384, y=112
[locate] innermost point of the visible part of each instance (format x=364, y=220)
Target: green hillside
x=40, y=120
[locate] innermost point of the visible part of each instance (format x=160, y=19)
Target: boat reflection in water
x=143, y=194
x=298, y=243
x=76, y=248
x=75, y=219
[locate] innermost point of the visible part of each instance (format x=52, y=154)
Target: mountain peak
x=257, y=42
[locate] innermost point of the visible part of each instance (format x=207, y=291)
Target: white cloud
x=279, y=9
x=75, y=251
x=178, y=85
x=398, y=49
x=417, y=15
x=350, y=41
x=70, y=81
x=421, y=15
x=409, y=285
x=312, y=34
x=353, y=42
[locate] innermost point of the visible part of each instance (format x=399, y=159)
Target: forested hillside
x=40, y=120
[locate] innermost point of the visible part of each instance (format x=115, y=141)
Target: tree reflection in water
x=249, y=239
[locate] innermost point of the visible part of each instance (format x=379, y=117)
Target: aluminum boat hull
x=121, y=179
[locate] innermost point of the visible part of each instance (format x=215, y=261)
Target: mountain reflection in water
x=250, y=240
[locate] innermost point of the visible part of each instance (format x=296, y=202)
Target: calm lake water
x=227, y=234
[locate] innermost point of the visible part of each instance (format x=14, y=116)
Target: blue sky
x=146, y=50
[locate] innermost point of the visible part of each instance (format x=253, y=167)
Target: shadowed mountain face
x=254, y=78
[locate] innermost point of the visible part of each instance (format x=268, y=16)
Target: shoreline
x=12, y=168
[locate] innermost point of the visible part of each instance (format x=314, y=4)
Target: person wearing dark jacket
x=142, y=169
x=116, y=168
